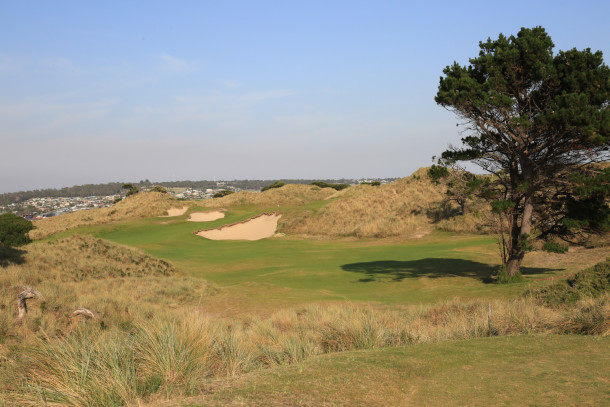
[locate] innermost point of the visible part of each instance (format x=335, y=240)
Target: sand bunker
x=206, y=216
x=176, y=211
x=258, y=227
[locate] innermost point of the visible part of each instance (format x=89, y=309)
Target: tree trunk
x=517, y=250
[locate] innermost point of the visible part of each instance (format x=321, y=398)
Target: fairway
x=285, y=271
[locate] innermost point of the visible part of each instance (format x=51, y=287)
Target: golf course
x=289, y=318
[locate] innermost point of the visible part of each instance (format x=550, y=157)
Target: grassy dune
x=288, y=195
x=121, y=283
x=409, y=207
x=364, y=211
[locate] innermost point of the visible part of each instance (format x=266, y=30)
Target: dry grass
x=291, y=194
x=120, y=283
x=397, y=209
x=175, y=356
x=144, y=204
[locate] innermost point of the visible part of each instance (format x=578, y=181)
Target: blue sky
x=123, y=91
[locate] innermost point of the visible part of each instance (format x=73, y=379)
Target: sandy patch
x=176, y=211
x=205, y=216
x=258, y=227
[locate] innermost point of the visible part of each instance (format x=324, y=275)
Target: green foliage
x=131, y=189
x=437, y=172
x=14, y=230
x=277, y=184
x=587, y=207
x=222, y=193
x=372, y=183
x=159, y=188
x=503, y=277
x=323, y=184
x=502, y=205
x=553, y=247
x=591, y=282
x=531, y=116
x=526, y=243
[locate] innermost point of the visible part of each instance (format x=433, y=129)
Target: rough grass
x=364, y=211
x=540, y=370
x=288, y=195
x=120, y=283
x=144, y=204
x=589, y=283
x=168, y=357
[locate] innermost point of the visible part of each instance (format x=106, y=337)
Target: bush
x=591, y=282
x=159, y=188
x=277, y=184
x=14, y=230
x=131, y=189
x=553, y=247
x=323, y=184
x=222, y=193
x=504, y=278
x=372, y=183
x=437, y=172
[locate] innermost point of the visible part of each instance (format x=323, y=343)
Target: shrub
x=131, y=189
x=323, y=184
x=504, y=278
x=14, y=230
x=222, y=193
x=436, y=172
x=277, y=184
x=159, y=188
x=553, y=247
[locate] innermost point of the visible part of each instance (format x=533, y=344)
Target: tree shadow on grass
x=396, y=271
x=9, y=255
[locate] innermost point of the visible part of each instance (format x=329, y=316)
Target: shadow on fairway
x=391, y=270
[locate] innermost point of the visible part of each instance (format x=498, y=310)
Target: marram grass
x=175, y=355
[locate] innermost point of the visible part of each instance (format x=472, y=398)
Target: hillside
x=400, y=208
x=144, y=204
x=288, y=195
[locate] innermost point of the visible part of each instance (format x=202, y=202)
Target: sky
x=94, y=92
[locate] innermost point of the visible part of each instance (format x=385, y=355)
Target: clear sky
x=95, y=92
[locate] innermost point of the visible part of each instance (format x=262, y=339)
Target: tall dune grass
x=164, y=357
x=364, y=211
x=291, y=194
x=120, y=283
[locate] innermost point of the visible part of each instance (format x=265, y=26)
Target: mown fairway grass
x=285, y=271
x=534, y=370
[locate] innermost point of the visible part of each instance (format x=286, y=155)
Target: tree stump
x=22, y=306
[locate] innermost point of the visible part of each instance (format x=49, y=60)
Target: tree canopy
x=530, y=117
x=14, y=230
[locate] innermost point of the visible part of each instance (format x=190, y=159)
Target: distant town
x=45, y=207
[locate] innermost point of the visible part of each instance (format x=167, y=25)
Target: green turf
x=440, y=266
x=536, y=370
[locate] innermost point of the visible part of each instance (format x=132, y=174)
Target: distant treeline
x=115, y=188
